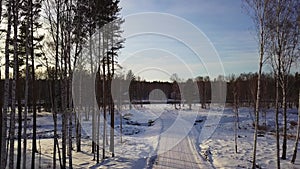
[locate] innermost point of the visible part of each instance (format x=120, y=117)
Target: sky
x=188, y=37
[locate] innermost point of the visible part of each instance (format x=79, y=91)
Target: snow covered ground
x=158, y=136
x=220, y=147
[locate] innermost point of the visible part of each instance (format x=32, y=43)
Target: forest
x=61, y=57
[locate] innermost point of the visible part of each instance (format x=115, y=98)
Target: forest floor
x=197, y=138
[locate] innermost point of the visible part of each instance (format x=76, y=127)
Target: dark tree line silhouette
x=139, y=91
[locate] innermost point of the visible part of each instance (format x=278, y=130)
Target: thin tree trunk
x=98, y=79
x=98, y=136
x=19, y=154
x=6, y=90
x=93, y=109
x=279, y=52
x=236, y=117
x=1, y=118
x=120, y=105
x=70, y=140
x=26, y=93
x=18, y=96
x=277, y=122
x=69, y=81
x=78, y=131
x=14, y=87
x=1, y=101
x=80, y=108
x=235, y=131
x=34, y=146
x=112, y=107
x=297, y=136
x=284, y=104
x=78, y=117
x=63, y=91
x=55, y=85
x=257, y=103
x=104, y=102
x=107, y=91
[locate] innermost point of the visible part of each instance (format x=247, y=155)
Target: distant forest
x=244, y=86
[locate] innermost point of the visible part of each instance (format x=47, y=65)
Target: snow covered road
x=181, y=156
x=175, y=149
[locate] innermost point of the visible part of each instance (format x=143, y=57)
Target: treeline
x=134, y=91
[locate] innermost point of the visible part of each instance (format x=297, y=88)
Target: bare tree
x=297, y=136
x=258, y=10
x=284, y=34
x=298, y=128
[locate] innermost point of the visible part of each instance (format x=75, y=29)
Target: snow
x=221, y=151
x=196, y=138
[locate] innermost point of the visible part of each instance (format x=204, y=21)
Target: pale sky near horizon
x=225, y=23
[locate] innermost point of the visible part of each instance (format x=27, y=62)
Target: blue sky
x=225, y=24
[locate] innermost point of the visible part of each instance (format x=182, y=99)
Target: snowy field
x=158, y=136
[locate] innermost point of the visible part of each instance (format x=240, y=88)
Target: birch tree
x=297, y=135
x=284, y=40
x=298, y=128
x=258, y=11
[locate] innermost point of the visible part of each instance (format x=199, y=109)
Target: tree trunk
x=112, y=107
x=98, y=79
x=112, y=129
x=93, y=109
x=98, y=137
x=277, y=121
x=6, y=90
x=78, y=117
x=63, y=92
x=14, y=87
x=284, y=104
x=70, y=140
x=104, y=102
x=64, y=125
x=19, y=154
x=18, y=96
x=1, y=120
x=297, y=136
x=235, y=102
x=279, y=53
x=26, y=93
x=55, y=87
x=34, y=146
x=257, y=103
x=69, y=85
x=235, y=131
x=78, y=131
